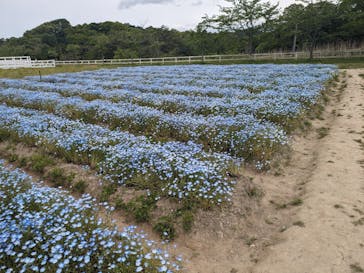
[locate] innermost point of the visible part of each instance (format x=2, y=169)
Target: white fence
x=15, y=62
x=220, y=58
x=24, y=62
x=43, y=63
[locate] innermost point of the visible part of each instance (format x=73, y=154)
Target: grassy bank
x=343, y=63
x=22, y=72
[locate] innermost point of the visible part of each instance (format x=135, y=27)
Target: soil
x=311, y=216
x=333, y=209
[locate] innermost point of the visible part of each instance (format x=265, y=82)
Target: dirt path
x=332, y=239
x=310, y=216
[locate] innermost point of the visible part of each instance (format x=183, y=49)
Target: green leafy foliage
x=59, y=178
x=80, y=186
x=39, y=162
x=140, y=207
x=242, y=26
x=165, y=228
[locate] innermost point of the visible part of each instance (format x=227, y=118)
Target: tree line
x=244, y=26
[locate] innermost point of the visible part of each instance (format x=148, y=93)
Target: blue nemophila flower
x=125, y=156
x=197, y=80
x=224, y=133
x=38, y=234
x=239, y=95
x=241, y=110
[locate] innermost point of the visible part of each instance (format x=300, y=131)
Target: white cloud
x=197, y=3
x=125, y=4
x=18, y=16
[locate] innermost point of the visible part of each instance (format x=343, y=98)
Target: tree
x=52, y=35
x=243, y=16
x=73, y=52
x=291, y=17
x=352, y=14
x=243, y=26
x=125, y=54
x=316, y=21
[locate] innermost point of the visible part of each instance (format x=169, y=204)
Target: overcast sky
x=17, y=16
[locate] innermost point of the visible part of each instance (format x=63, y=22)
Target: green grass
x=187, y=221
x=296, y=202
x=140, y=207
x=38, y=162
x=108, y=189
x=356, y=268
x=165, y=228
x=58, y=178
x=322, y=132
x=299, y=224
x=343, y=63
x=80, y=186
x=22, y=72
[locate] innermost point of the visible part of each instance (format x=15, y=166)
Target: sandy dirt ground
x=333, y=208
x=311, y=216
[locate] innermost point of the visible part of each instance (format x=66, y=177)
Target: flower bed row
x=175, y=169
x=241, y=135
x=276, y=105
x=276, y=87
x=45, y=230
x=211, y=80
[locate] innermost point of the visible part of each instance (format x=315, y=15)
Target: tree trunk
x=294, y=40
x=250, y=42
x=312, y=46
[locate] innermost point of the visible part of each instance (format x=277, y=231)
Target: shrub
x=141, y=207
x=4, y=134
x=119, y=204
x=165, y=228
x=23, y=162
x=107, y=190
x=13, y=158
x=80, y=186
x=187, y=220
x=58, y=177
x=39, y=162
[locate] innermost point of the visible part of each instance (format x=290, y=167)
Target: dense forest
x=258, y=27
